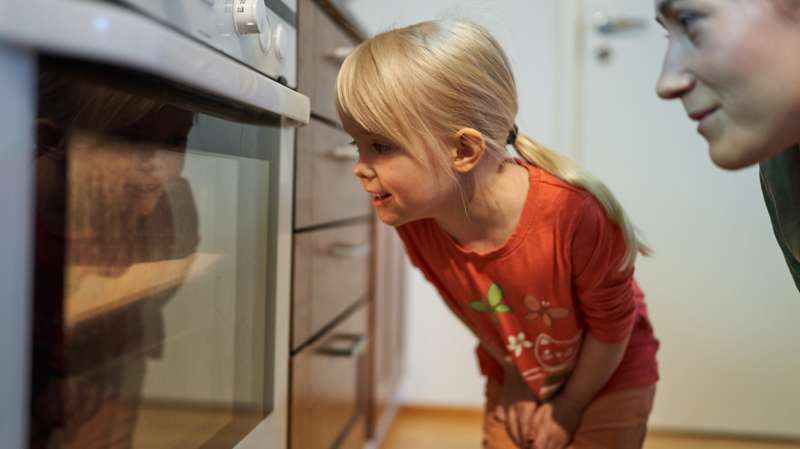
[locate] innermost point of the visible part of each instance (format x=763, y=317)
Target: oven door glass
x=154, y=306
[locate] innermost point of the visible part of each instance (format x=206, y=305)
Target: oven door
x=146, y=189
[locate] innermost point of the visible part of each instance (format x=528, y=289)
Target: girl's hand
x=555, y=422
x=516, y=407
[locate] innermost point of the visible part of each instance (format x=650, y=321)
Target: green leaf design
x=502, y=308
x=556, y=376
x=496, y=321
x=494, y=295
x=480, y=306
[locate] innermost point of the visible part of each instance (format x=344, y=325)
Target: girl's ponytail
x=569, y=171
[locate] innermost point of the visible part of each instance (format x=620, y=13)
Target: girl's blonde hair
x=419, y=85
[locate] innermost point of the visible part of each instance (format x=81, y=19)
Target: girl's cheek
x=170, y=165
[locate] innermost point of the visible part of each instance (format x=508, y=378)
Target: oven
x=146, y=190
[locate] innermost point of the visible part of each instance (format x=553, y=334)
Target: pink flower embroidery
x=542, y=309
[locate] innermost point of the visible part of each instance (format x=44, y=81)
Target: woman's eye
x=688, y=22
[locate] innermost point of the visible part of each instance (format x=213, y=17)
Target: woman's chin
x=742, y=148
x=736, y=155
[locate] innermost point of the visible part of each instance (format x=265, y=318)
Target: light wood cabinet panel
x=318, y=59
x=331, y=273
x=306, y=49
x=388, y=318
x=328, y=403
x=326, y=190
x=339, y=265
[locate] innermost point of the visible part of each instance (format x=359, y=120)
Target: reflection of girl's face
x=735, y=66
x=136, y=161
x=155, y=147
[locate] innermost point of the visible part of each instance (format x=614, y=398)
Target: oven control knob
x=280, y=42
x=250, y=16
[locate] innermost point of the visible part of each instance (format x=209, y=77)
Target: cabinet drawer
x=326, y=189
x=318, y=59
x=329, y=380
x=331, y=273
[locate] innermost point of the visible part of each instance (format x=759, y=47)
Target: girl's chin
x=391, y=219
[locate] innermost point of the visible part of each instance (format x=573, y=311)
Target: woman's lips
x=702, y=117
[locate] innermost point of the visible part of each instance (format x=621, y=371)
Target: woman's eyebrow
x=665, y=8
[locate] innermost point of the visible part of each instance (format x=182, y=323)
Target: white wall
x=441, y=368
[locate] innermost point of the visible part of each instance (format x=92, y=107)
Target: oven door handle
x=344, y=345
x=110, y=34
x=347, y=251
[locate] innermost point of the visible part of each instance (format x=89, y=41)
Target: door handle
x=606, y=25
x=344, y=345
x=339, y=54
x=345, y=153
x=346, y=251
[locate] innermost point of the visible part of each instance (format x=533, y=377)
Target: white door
x=721, y=299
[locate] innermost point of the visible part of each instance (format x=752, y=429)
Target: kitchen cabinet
x=347, y=299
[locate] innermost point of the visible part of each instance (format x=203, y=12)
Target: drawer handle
x=346, y=251
x=340, y=53
x=345, y=153
x=344, y=345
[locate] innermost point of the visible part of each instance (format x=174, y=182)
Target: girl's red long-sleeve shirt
x=534, y=298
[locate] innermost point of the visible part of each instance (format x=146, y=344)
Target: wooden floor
x=427, y=428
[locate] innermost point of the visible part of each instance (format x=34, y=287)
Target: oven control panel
x=259, y=33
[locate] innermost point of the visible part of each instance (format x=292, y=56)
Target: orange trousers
x=616, y=420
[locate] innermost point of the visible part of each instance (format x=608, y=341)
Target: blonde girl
x=535, y=256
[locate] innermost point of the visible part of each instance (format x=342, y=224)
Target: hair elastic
x=512, y=135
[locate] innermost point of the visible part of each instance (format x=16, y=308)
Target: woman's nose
x=675, y=80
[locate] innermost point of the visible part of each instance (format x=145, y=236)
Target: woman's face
x=735, y=65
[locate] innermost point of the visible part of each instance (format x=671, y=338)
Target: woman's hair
x=418, y=86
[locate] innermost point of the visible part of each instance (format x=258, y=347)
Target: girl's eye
x=380, y=148
x=177, y=141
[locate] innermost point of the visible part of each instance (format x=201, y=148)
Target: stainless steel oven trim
x=17, y=88
x=111, y=34
x=108, y=34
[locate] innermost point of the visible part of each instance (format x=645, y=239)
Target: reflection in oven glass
x=148, y=328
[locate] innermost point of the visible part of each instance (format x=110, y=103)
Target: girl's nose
x=363, y=170
x=675, y=81
x=147, y=161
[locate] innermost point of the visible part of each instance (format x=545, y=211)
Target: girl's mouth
x=143, y=187
x=145, y=190
x=380, y=199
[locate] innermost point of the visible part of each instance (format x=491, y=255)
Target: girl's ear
x=790, y=8
x=48, y=140
x=469, y=149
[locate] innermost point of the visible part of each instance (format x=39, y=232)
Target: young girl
x=535, y=257
x=734, y=65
